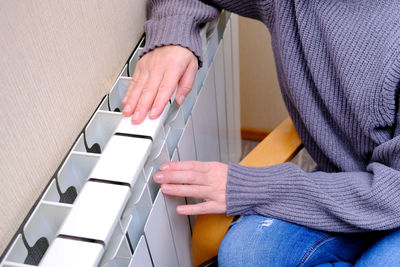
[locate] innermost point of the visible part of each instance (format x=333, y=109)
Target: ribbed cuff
x=174, y=30
x=248, y=186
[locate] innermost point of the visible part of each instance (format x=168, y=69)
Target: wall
x=58, y=59
x=262, y=107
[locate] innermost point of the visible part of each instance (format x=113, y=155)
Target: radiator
x=102, y=207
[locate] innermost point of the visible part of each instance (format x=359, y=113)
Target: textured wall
x=58, y=59
x=262, y=106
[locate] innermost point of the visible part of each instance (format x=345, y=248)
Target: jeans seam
x=317, y=244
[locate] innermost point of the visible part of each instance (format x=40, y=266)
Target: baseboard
x=253, y=134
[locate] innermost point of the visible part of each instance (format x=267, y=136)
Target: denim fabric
x=256, y=240
x=385, y=252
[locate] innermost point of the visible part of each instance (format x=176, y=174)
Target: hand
x=206, y=180
x=157, y=75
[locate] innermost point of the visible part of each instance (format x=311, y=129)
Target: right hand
x=157, y=75
x=206, y=180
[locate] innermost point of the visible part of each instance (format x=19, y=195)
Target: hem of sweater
x=174, y=30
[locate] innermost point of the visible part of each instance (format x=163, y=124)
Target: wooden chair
x=278, y=147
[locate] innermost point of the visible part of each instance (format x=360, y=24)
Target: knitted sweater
x=338, y=64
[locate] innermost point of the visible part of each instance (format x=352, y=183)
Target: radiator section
x=102, y=207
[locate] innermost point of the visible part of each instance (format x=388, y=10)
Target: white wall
x=58, y=59
x=262, y=106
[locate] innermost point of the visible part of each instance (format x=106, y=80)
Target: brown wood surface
x=253, y=134
x=279, y=146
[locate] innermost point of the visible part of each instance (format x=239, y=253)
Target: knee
x=248, y=243
x=232, y=246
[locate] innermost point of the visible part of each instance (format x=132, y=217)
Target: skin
x=157, y=75
x=205, y=180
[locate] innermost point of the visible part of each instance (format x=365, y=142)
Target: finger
x=135, y=77
x=185, y=166
x=146, y=99
x=196, y=191
x=135, y=92
x=201, y=208
x=165, y=91
x=186, y=82
x=180, y=177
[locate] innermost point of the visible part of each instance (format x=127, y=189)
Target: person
x=338, y=64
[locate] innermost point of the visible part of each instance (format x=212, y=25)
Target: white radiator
x=102, y=208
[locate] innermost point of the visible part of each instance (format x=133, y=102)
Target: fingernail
x=127, y=109
x=166, y=187
x=164, y=167
x=180, y=209
x=158, y=177
x=135, y=116
x=181, y=99
x=153, y=112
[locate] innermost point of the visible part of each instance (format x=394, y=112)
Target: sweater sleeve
x=177, y=22
x=337, y=202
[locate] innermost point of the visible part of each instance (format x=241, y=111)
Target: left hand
x=206, y=180
x=157, y=74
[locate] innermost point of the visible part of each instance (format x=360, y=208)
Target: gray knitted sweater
x=338, y=64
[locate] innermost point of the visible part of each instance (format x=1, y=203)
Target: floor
x=302, y=159
x=247, y=146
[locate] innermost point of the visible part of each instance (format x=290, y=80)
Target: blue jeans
x=256, y=240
